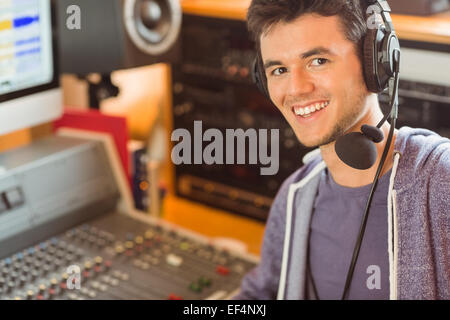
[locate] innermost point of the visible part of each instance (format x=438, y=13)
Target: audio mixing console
x=120, y=258
x=75, y=242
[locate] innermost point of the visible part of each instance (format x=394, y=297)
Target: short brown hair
x=263, y=14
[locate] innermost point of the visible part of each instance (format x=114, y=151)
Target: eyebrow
x=305, y=55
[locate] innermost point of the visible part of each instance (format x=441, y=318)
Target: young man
x=312, y=56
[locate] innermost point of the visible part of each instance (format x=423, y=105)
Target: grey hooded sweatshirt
x=418, y=225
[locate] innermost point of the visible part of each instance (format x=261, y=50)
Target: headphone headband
x=385, y=12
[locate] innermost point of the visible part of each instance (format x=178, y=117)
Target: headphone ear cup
x=370, y=60
x=259, y=78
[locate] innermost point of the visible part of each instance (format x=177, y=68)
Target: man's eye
x=319, y=62
x=278, y=71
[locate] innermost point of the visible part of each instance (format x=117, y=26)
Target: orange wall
x=142, y=90
x=15, y=139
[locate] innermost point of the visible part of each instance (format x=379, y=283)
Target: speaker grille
x=153, y=25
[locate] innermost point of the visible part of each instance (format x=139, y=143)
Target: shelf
x=435, y=29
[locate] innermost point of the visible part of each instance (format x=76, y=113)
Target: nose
x=299, y=82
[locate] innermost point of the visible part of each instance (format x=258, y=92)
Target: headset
x=381, y=68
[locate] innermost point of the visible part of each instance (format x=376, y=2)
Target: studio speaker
x=105, y=35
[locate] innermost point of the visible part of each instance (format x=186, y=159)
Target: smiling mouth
x=309, y=110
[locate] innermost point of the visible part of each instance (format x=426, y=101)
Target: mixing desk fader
x=84, y=247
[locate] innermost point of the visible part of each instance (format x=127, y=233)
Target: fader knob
x=42, y=288
x=139, y=240
x=119, y=249
x=149, y=235
x=98, y=260
x=129, y=245
x=30, y=294
x=53, y=283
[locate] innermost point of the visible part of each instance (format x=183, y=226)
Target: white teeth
x=310, y=109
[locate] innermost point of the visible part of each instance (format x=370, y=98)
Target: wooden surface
x=14, y=139
x=429, y=29
x=230, y=9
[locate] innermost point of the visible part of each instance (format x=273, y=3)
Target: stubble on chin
x=344, y=123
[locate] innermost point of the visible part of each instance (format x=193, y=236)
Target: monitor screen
x=29, y=86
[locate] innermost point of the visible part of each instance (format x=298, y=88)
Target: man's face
x=310, y=65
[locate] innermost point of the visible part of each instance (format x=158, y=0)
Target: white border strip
x=392, y=223
x=292, y=189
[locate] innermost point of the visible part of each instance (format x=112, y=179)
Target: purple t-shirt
x=335, y=225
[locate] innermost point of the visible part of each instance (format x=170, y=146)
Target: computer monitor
x=29, y=80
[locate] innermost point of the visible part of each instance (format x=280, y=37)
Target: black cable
x=366, y=214
x=393, y=113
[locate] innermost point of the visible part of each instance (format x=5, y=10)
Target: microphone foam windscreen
x=356, y=151
x=373, y=133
